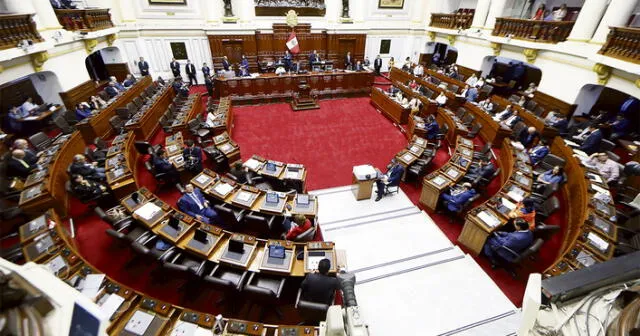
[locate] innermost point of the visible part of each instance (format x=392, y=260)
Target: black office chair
x=416, y=171
x=146, y=249
x=127, y=234
x=40, y=141
x=544, y=231
x=70, y=116
x=474, y=130
x=543, y=192
x=613, y=156
x=115, y=223
x=468, y=120
x=265, y=290
x=178, y=265
x=547, y=163
x=311, y=312
x=162, y=179
x=517, y=129
x=464, y=208
x=228, y=280
x=530, y=105
x=547, y=208
x=117, y=124
x=606, y=145
x=12, y=217
x=442, y=136
x=259, y=225
x=520, y=258
x=461, y=112
x=144, y=148
x=231, y=218
x=484, y=153
x=63, y=125
x=89, y=153
x=91, y=202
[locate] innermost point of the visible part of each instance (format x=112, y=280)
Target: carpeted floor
x=329, y=142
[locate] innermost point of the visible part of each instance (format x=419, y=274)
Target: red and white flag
x=292, y=43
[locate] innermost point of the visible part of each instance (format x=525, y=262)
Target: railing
x=623, y=43
x=533, y=30
x=84, y=19
x=17, y=27
x=459, y=20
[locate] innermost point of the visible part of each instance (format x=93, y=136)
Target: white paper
x=223, y=188
x=252, y=164
x=183, y=328
x=172, y=148
x=147, y=211
x=56, y=264
x=30, y=118
x=453, y=173
x=517, y=145
x=91, y=285
x=226, y=147
x=362, y=171
x=203, y=179
x=508, y=203
x=488, y=219
x=571, y=143
x=595, y=177
x=203, y=332
x=581, y=153
x=600, y=189
x=420, y=141
x=439, y=180
x=516, y=195
x=597, y=241
x=139, y=322
x=292, y=174
x=408, y=157
x=243, y=196
x=111, y=305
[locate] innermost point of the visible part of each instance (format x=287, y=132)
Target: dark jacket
x=319, y=288
x=16, y=169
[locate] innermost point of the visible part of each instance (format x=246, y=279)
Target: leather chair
x=538, y=111
x=116, y=224
x=127, y=234
x=416, y=171
x=465, y=207
x=63, y=125
x=308, y=235
x=613, y=156
x=520, y=258
x=145, y=247
x=544, y=231
x=517, y=129
x=547, y=208
x=311, y=312
x=138, y=101
x=544, y=193
x=144, y=148
x=40, y=141
x=92, y=202
x=475, y=129
x=12, y=217
x=530, y=105
x=104, y=95
x=117, y=124
x=70, y=116
x=265, y=290
x=548, y=162
x=162, y=179
x=259, y=225
x=232, y=218
x=481, y=182
x=88, y=152
x=228, y=280
x=100, y=144
x=606, y=146
x=461, y=112
x=123, y=113
x=468, y=120
x=484, y=153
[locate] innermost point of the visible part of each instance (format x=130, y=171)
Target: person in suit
x=551, y=176
x=30, y=155
x=485, y=169
x=208, y=83
x=17, y=166
x=366, y=63
x=557, y=120
x=287, y=60
x=192, y=155
x=206, y=71
x=175, y=68
x=487, y=105
x=516, y=241
x=82, y=112
x=244, y=66
x=529, y=136
x=143, y=66
x=129, y=81
x=193, y=203
x=506, y=113
x=392, y=177
x=313, y=57
x=377, y=64
x=432, y=127
x=359, y=66
x=117, y=84
x=630, y=106
x=62, y=4
x=470, y=93
x=191, y=72
x=619, y=127
x=15, y=116
x=319, y=286
x=111, y=90
x=86, y=190
x=348, y=61
x=90, y=171
x=295, y=227
x=225, y=63
x=592, y=142
x=537, y=153
x=512, y=120
x=455, y=198
x=161, y=164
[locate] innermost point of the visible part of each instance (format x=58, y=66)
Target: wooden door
x=233, y=50
x=344, y=46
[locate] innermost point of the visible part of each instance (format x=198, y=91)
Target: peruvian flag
x=292, y=43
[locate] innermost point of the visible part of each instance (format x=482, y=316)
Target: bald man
x=17, y=166
x=90, y=171
x=30, y=156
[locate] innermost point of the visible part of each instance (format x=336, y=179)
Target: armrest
x=298, y=297
x=281, y=287
x=241, y=281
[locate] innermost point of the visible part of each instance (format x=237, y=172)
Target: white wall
x=586, y=98
x=47, y=85
x=111, y=55
x=402, y=46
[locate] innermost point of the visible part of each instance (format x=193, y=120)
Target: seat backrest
x=123, y=113
x=454, y=88
x=104, y=95
x=606, y=145
x=116, y=122
x=39, y=140
x=62, y=123
x=530, y=105
x=256, y=224
x=551, y=205
x=468, y=119
x=193, y=124
x=460, y=112
x=519, y=128
x=132, y=107
x=531, y=250
x=226, y=214
x=444, y=129
x=538, y=110
x=307, y=235
x=514, y=98
x=99, y=143
x=554, y=160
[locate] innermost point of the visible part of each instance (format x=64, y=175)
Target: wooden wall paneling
x=120, y=70
x=79, y=94
x=16, y=92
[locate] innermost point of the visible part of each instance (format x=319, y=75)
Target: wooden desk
x=456, y=128
x=361, y=188
x=398, y=76
x=389, y=107
x=147, y=123
x=476, y=231
x=432, y=186
x=491, y=131
x=527, y=117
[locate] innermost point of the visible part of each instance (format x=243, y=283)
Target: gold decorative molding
x=432, y=35
x=637, y=82
x=111, y=38
x=451, y=39
x=90, y=44
x=1, y=68
x=530, y=54
x=497, y=48
x=603, y=72
x=38, y=59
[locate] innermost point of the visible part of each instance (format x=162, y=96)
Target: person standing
x=348, y=61
x=377, y=64
x=191, y=72
x=225, y=63
x=206, y=71
x=175, y=68
x=144, y=67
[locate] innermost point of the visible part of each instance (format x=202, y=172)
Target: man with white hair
x=30, y=156
x=90, y=171
x=115, y=82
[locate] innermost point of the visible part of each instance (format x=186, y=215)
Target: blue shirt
x=433, y=129
x=549, y=177
x=538, y=153
x=455, y=203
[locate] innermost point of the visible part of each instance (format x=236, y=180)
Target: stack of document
x=597, y=242
x=488, y=219
x=252, y=164
x=243, y=196
x=361, y=172
x=223, y=188
x=516, y=194
x=110, y=303
x=148, y=211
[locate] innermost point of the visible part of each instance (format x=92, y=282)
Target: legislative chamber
x=321, y=167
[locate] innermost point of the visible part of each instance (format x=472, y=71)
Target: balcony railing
x=84, y=19
x=533, y=30
x=17, y=27
x=459, y=20
x=623, y=43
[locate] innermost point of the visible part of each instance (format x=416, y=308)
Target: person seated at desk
x=193, y=203
x=313, y=57
x=472, y=80
x=469, y=93
x=506, y=113
x=525, y=209
x=244, y=67
x=161, y=81
x=608, y=168
x=551, y=176
x=441, y=99
x=86, y=190
x=401, y=99
x=62, y=4
x=393, y=90
x=17, y=166
x=30, y=155
x=427, y=78
x=529, y=136
x=280, y=71
x=480, y=82
x=161, y=164
x=418, y=71
x=485, y=169
x=412, y=84
x=225, y=63
x=16, y=115
x=619, y=127
x=180, y=88
x=111, y=90
x=319, y=286
x=592, y=142
x=516, y=241
x=512, y=120
x=97, y=103
x=537, y=153
x=392, y=177
x=90, y=171
x=530, y=90
x=414, y=105
x=432, y=127
x=129, y=81
x=82, y=111
x=241, y=173
x=557, y=120
x=522, y=101
x=487, y=106
x=295, y=227
x=359, y=66
x=29, y=107
x=192, y=155
x=455, y=198
x=119, y=86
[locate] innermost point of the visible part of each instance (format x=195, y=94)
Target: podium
x=362, y=179
x=303, y=100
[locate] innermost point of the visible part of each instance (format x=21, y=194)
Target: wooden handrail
x=84, y=19
x=623, y=43
x=459, y=20
x=533, y=30
x=17, y=27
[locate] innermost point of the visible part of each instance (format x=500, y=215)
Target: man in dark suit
x=162, y=165
x=193, y=203
x=528, y=137
x=209, y=85
x=592, y=143
x=313, y=57
x=144, y=67
x=129, y=81
x=392, y=177
x=455, y=199
x=538, y=153
x=320, y=287
x=191, y=72
x=206, y=71
x=287, y=60
x=512, y=120
x=87, y=190
x=225, y=63
x=111, y=90
x=485, y=169
x=90, y=171
x=192, y=155
x=30, y=155
x=244, y=66
x=432, y=127
x=377, y=64
x=516, y=241
x=348, y=61
x=175, y=68
x=17, y=166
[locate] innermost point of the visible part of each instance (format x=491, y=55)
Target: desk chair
x=461, y=112
x=259, y=225
x=162, y=179
x=265, y=290
x=518, y=128
x=613, y=156
x=123, y=113
x=117, y=124
x=63, y=125
x=91, y=202
x=606, y=146
x=116, y=224
x=12, y=217
x=232, y=218
x=454, y=88
x=144, y=148
x=544, y=192
x=538, y=111
x=520, y=258
x=442, y=136
x=227, y=280
x=308, y=235
x=547, y=208
x=464, y=208
x=548, y=162
x=219, y=161
x=198, y=131
x=484, y=153
x=145, y=247
x=40, y=141
x=416, y=171
x=177, y=265
x=127, y=233
x=88, y=152
x=481, y=182
x=474, y=130
x=311, y=312
x=514, y=98
x=530, y=105
x=70, y=116
x=468, y=120
x=544, y=231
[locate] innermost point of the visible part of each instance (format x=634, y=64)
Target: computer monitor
x=87, y=319
x=276, y=251
x=174, y=223
x=302, y=199
x=270, y=166
x=135, y=197
x=272, y=198
x=236, y=245
x=200, y=236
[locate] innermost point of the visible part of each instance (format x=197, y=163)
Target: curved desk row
x=192, y=108
x=144, y=122
x=290, y=174
x=222, y=115
x=527, y=117
x=389, y=106
x=517, y=180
